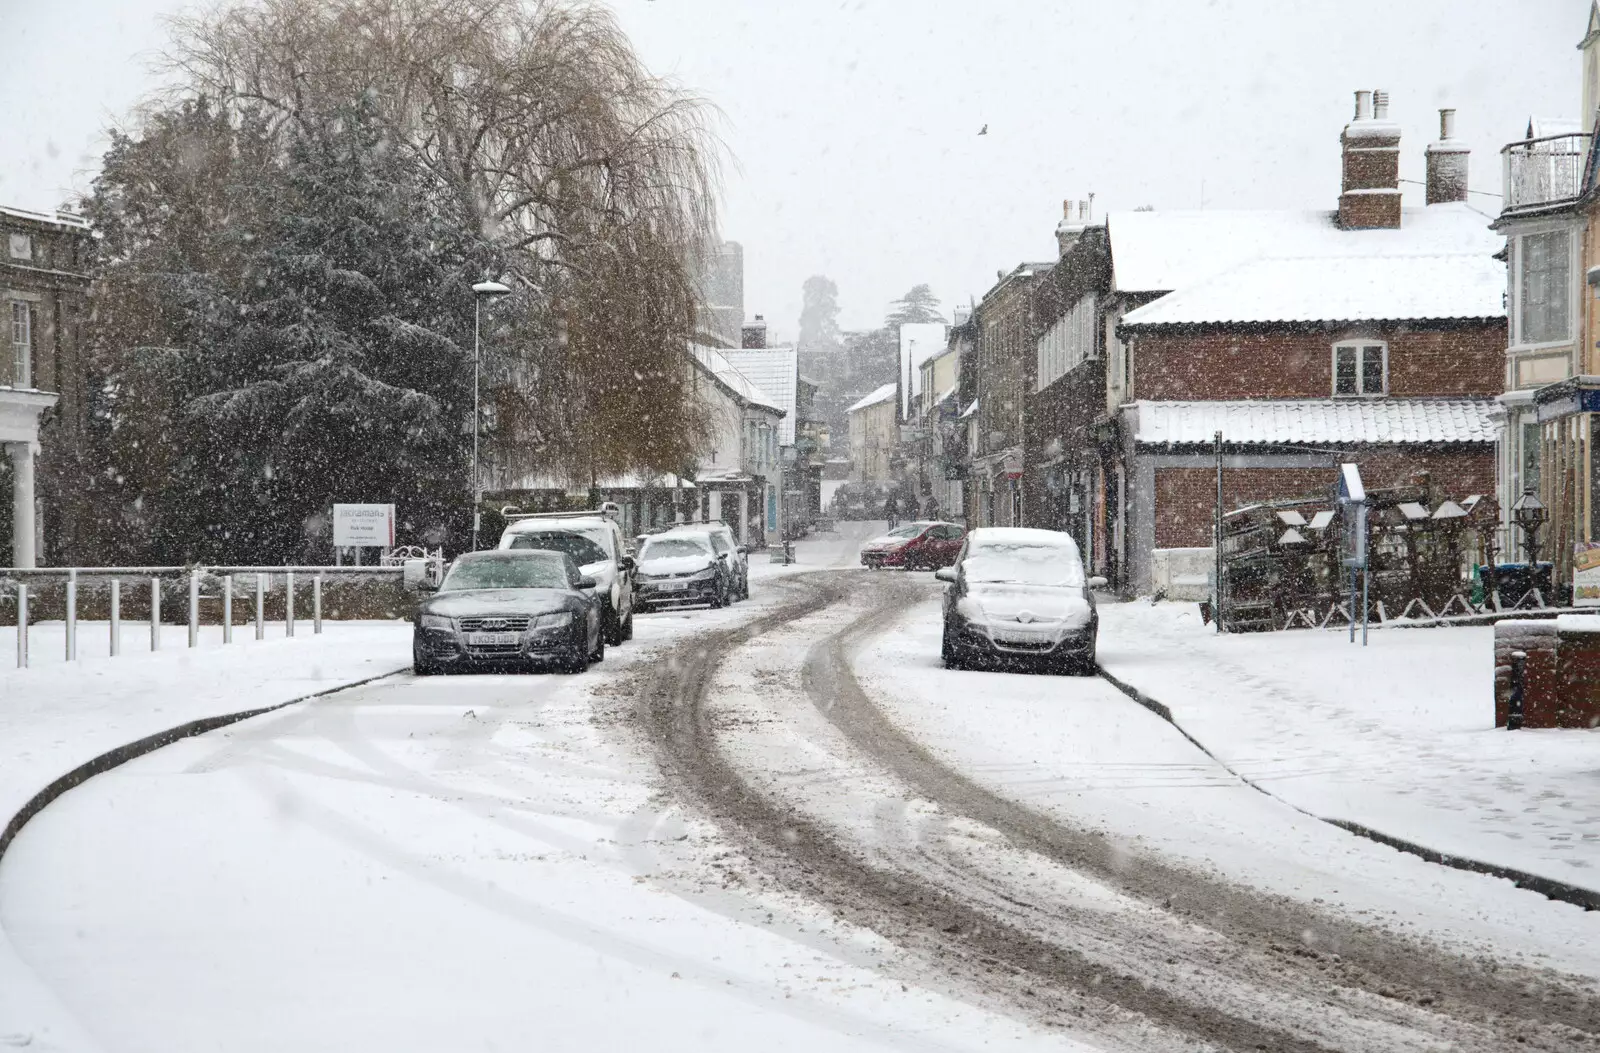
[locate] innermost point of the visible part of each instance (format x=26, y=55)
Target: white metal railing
x=226, y=590
x=1544, y=171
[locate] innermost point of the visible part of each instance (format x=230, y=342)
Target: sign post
x=1352, y=497
x=363, y=526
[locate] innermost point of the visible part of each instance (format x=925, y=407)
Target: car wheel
x=599, y=652
x=948, y=652
x=574, y=663
x=627, y=626
x=423, y=667
x=718, y=599
x=610, y=625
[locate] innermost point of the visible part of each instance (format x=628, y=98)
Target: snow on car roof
x=1338, y=289
x=1019, y=536
x=1163, y=251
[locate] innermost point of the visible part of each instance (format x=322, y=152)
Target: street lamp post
x=480, y=292
x=1530, y=514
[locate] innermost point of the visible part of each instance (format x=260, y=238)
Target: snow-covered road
x=779, y=825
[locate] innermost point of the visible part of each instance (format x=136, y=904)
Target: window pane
x=1372, y=371
x=1545, y=277
x=1530, y=456
x=1344, y=373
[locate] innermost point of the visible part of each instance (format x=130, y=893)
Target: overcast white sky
x=853, y=126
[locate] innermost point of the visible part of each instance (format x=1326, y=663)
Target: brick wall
x=1186, y=497
x=1222, y=364
x=1561, y=681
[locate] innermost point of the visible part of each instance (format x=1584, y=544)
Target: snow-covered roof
x=946, y=396
x=1316, y=421
x=57, y=218
x=716, y=363
x=883, y=394
x=773, y=370
x=1337, y=289
x=627, y=481
x=970, y=410
x=1163, y=251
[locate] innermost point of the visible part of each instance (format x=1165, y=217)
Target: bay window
x=1544, y=293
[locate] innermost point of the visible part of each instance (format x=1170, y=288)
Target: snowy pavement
x=1080, y=750
x=1398, y=736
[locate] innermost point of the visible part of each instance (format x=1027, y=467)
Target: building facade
x=1372, y=333
x=874, y=435
x=1007, y=331
x=43, y=376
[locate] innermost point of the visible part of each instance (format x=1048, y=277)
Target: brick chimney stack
x=1076, y=216
x=754, y=334
x=1447, y=163
x=1370, y=193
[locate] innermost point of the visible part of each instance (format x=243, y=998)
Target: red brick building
x=1371, y=333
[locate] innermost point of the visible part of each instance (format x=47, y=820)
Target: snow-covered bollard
x=194, y=607
x=227, y=608
x=316, y=605
x=261, y=606
x=22, y=625
x=155, y=614
x=72, y=615
x=116, y=616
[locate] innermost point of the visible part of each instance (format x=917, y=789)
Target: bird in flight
x=984, y=130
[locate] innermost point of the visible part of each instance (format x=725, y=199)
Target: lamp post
x=480, y=292
x=1530, y=514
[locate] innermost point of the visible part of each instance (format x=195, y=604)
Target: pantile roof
x=1317, y=421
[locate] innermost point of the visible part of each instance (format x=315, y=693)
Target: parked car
x=510, y=609
x=1020, y=597
x=724, y=544
x=858, y=501
x=682, y=570
x=595, y=541
x=923, y=545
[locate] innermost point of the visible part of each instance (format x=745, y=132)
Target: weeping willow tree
x=593, y=180
x=309, y=199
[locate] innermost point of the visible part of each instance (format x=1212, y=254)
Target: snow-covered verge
x=57, y=716
x=1398, y=736
x=1078, y=750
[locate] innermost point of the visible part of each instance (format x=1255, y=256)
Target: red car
x=923, y=545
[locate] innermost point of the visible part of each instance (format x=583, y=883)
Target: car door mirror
x=744, y=550
x=946, y=574
x=1097, y=582
x=587, y=582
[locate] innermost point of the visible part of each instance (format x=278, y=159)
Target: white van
x=594, y=540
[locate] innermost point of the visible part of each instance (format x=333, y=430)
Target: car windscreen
x=1022, y=564
x=582, y=547
x=527, y=573
x=909, y=530
x=670, y=547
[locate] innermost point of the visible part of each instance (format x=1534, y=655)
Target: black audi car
x=517, y=608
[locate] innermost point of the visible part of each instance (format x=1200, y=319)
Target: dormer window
x=1360, y=368
x=21, y=246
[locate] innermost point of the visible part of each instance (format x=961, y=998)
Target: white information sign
x=371, y=526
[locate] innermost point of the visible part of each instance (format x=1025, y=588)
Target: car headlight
x=559, y=620
x=436, y=621
x=705, y=575
x=969, y=609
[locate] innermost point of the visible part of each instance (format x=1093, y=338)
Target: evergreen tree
x=345, y=371
x=819, y=315
x=917, y=305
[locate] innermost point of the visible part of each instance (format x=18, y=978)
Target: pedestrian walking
x=891, y=511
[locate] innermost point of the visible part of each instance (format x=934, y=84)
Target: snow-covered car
x=595, y=541
x=1020, y=597
x=922, y=545
x=725, y=545
x=503, y=609
x=681, y=570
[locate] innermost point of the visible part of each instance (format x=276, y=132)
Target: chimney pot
x=1447, y=163
x=1447, y=124
x=1380, y=105
x=1363, y=105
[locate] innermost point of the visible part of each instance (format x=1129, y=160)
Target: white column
x=714, y=505
x=22, y=504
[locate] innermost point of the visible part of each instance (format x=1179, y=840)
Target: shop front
x=1569, y=486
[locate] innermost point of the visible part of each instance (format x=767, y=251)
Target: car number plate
x=491, y=639
x=1020, y=637
x=672, y=586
